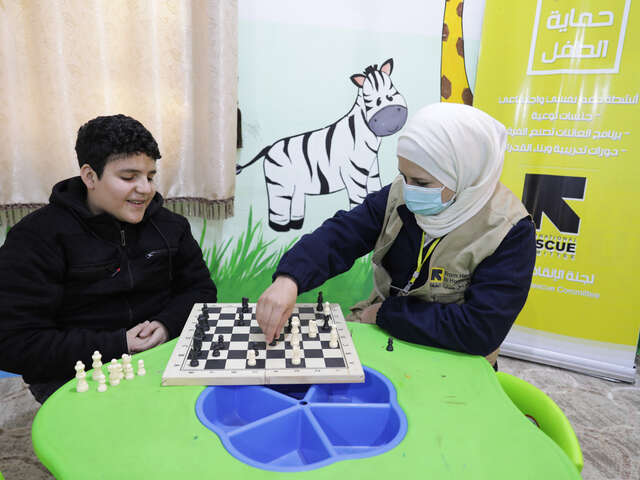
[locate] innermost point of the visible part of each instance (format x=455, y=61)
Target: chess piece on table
x=81, y=385
x=333, y=338
x=128, y=371
x=102, y=385
x=96, y=365
x=114, y=379
x=295, y=322
x=390, y=345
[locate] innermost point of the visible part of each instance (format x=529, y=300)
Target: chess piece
x=114, y=379
x=251, y=358
x=102, y=386
x=295, y=360
x=141, y=370
x=295, y=329
x=128, y=371
x=295, y=340
x=320, y=300
x=295, y=322
x=313, y=329
x=96, y=365
x=193, y=356
x=245, y=305
x=390, y=345
x=81, y=385
x=333, y=338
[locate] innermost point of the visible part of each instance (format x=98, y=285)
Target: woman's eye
x=128, y=179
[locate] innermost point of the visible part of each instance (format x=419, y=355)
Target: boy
x=102, y=267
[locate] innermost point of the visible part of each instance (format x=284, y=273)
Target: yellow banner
x=564, y=78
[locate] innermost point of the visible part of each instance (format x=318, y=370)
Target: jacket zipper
x=123, y=241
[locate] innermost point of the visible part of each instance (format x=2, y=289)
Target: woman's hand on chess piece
x=146, y=335
x=276, y=305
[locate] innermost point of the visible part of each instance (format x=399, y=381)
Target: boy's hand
x=275, y=306
x=146, y=335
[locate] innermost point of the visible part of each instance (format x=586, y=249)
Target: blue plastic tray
x=289, y=428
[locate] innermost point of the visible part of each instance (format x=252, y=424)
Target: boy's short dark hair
x=113, y=135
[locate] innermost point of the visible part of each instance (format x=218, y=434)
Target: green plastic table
x=461, y=425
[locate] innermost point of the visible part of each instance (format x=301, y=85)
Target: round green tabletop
x=460, y=425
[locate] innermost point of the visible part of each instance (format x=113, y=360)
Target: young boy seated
x=102, y=267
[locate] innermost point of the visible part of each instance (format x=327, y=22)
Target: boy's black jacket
x=72, y=282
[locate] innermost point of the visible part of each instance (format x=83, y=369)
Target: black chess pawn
x=245, y=305
x=390, y=345
x=220, y=341
x=320, y=306
x=194, y=358
x=205, y=308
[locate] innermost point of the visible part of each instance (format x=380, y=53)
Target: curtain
x=172, y=65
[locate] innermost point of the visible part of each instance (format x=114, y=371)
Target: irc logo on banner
x=566, y=39
x=547, y=194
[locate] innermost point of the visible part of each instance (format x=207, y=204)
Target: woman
x=453, y=248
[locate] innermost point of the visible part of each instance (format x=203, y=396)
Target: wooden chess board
x=222, y=356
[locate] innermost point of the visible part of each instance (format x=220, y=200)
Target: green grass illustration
x=243, y=268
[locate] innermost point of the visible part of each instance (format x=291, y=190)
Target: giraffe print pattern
x=454, y=84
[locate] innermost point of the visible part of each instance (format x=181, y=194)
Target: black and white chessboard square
x=239, y=331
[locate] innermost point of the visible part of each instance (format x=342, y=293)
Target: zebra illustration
x=341, y=155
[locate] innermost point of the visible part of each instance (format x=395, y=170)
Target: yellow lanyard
x=421, y=262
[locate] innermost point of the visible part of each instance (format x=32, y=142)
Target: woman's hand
x=275, y=306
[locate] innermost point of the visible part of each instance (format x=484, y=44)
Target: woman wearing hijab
x=453, y=248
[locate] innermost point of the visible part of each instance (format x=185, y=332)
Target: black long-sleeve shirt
x=72, y=282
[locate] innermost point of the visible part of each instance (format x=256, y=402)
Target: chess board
x=222, y=358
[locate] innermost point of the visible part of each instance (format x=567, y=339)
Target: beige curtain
x=170, y=64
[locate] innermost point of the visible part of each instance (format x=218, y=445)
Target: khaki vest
x=454, y=259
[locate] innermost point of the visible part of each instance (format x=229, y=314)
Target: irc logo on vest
x=436, y=275
x=548, y=194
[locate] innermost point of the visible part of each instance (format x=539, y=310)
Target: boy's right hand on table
x=275, y=306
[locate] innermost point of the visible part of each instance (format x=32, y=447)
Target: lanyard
x=421, y=262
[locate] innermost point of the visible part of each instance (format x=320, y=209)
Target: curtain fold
x=170, y=65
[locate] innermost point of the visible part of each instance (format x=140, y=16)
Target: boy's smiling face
x=125, y=188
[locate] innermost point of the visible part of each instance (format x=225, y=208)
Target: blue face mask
x=423, y=200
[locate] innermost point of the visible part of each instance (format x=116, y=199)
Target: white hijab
x=463, y=148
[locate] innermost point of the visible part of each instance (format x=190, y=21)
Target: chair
x=544, y=412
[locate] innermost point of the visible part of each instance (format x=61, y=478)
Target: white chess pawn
x=251, y=357
x=97, y=365
x=128, y=371
x=333, y=338
x=102, y=386
x=114, y=379
x=295, y=329
x=295, y=360
x=295, y=340
x=141, y=370
x=295, y=322
x=313, y=329
x=82, y=385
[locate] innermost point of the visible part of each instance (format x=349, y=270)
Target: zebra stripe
x=305, y=151
x=352, y=127
x=360, y=169
x=328, y=142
